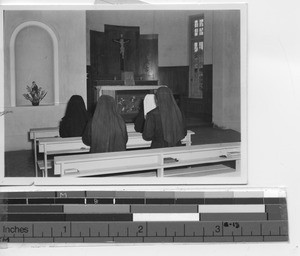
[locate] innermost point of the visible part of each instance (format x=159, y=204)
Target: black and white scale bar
x=29, y=200
x=143, y=216
x=121, y=212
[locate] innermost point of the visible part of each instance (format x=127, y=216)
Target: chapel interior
x=196, y=53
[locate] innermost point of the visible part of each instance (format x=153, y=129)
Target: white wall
x=70, y=29
x=226, y=69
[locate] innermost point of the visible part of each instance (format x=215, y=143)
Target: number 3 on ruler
x=217, y=229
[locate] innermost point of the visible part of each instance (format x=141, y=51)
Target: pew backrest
x=50, y=132
x=149, y=159
x=54, y=146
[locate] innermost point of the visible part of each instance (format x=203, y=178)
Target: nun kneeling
x=75, y=119
x=164, y=125
x=106, y=131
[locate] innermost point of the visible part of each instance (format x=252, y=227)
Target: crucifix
x=122, y=41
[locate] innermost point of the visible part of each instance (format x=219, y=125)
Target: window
x=196, y=56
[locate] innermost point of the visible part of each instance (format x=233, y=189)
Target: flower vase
x=35, y=103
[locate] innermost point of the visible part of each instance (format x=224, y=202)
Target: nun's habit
x=75, y=119
x=164, y=125
x=106, y=131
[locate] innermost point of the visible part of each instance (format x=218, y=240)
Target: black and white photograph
x=126, y=96
x=149, y=127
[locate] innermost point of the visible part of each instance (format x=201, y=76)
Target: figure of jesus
x=122, y=43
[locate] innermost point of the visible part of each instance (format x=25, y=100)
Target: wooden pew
x=63, y=146
x=49, y=132
x=36, y=134
x=159, y=160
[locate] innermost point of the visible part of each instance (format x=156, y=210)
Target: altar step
x=197, y=122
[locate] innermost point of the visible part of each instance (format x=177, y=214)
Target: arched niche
x=34, y=57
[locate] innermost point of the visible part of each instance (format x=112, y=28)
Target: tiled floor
x=21, y=163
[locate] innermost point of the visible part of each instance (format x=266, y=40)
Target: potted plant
x=35, y=94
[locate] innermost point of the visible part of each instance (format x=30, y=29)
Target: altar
x=128, y=98
x=113, y=90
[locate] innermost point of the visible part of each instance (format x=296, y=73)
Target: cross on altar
x=122, y=41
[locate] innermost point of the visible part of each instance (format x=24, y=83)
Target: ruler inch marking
x=279, y=230
x=222, y=228
x=261, y=229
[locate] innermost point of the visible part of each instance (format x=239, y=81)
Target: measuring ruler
x=143, y=216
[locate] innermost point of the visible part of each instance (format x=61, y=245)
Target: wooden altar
x=128, y=98
x=113, y=89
